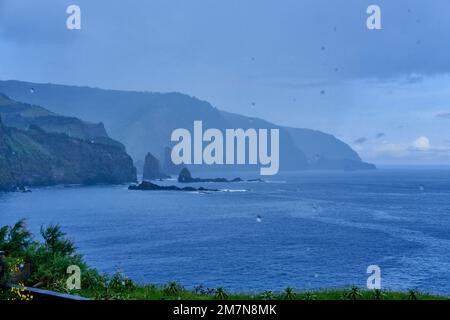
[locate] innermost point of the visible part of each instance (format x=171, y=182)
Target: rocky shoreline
x=148, y=186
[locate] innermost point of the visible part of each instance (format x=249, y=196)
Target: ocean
x=307, y=230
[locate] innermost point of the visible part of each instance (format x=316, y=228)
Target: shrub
x=353, y=294
x=221, y=294
x=289, y=294
x=172, y=289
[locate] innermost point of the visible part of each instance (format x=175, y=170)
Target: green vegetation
x=49, y=259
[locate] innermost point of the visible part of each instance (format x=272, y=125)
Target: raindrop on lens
x=258, y=219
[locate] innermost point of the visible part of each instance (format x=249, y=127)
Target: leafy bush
x=289, y=294
x=221, y=294
x=48, y=260
x=173, y=289
x=16, y=239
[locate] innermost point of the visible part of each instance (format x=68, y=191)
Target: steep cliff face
x=35, y=157
x=7, y=179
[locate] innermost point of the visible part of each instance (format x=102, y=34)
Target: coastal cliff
x=35, y=157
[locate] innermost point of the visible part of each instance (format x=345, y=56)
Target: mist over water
x=306, y=230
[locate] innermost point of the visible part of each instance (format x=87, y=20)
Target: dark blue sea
x=305, y=230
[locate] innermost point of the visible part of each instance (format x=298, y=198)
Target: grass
x=151, y=292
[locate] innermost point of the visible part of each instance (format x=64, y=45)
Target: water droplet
x=258, y=219
x=32, y=90
x=422, y=187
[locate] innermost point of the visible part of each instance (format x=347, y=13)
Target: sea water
x=307, y=230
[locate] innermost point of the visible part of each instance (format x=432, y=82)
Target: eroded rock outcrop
x=186, y=177
x=149, y=186
x=152, y=168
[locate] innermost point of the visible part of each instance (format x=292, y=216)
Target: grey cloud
x=443, y=116
x=39, y=23
x=361, y=140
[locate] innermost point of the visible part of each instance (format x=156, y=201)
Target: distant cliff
x=35, y=157
x=22, y=116
x=144, y=121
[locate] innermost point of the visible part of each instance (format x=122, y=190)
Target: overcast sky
x=301, y=63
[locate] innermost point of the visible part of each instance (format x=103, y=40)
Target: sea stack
x=152, y=168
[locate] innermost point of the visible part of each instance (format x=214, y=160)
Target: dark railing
x=38, y=294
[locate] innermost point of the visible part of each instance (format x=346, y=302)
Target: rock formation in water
x=186, y=177
x=148, y=186
x=152, y=168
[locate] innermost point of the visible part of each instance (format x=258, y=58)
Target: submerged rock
x=148, y=186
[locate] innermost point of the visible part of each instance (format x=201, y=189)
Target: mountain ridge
x=143, y=122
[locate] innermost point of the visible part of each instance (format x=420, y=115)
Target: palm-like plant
x=289, y=293
x=267, y=295
x=309, y=296
x=14, y=240
x=172, y=289
x=55, y=240
x=378, y=294
x=221, y=294
x=353, y=294
x=412, y=294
